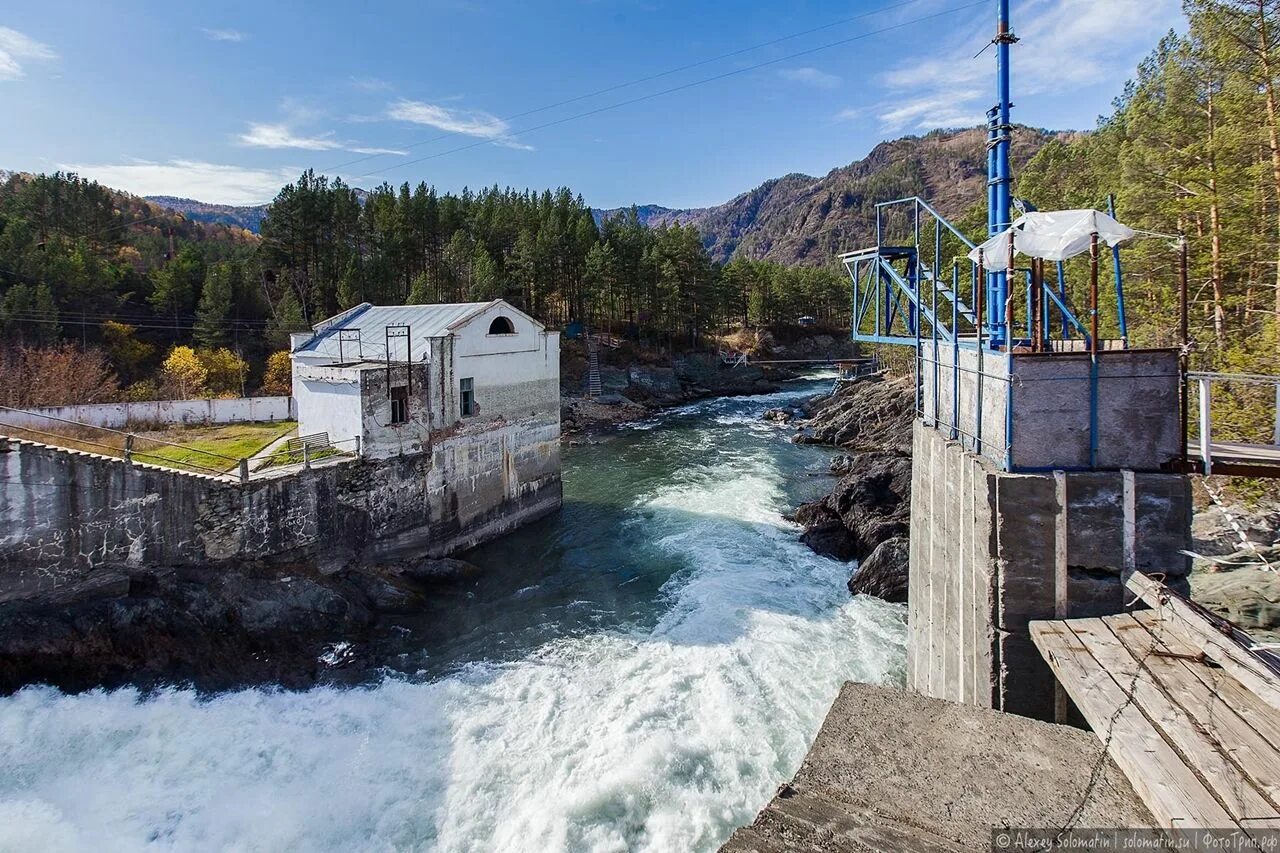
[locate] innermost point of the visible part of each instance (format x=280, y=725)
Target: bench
x=315, y=441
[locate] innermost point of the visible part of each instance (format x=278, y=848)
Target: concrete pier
x=892, y=770
x=993, y=550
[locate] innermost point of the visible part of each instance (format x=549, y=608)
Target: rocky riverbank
x=215, y=628
x=635, y=382
x=866, y=516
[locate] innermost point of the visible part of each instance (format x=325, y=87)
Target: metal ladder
x=593, y=369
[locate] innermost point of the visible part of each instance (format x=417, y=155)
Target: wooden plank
x=1199, y=745
x=1176, y=797
x=1225, y=691
x=1257, y=757
x=1223, y=650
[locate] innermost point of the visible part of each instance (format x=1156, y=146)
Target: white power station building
x=476, y=385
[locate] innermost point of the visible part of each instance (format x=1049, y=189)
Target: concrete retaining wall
x=64, y=513
x=116, y=415
x=991, y=551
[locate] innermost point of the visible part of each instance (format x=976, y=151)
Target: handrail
x=127, y=435
x=124, y=453
x=1253, y=378
x=936, y=215
x=947, y=334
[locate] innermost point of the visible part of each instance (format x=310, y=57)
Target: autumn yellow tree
x=278, y=378
x=225, y=372
x=184, y=374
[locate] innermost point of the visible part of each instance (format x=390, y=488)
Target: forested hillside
x=97, y=286
x=1192, y=146
x=152, y=304
x=249, y=217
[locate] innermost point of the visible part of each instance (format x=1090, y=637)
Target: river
x=637, y=673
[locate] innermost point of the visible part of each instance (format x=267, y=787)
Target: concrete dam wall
x=64, y=513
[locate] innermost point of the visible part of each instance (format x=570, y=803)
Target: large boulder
x=825, y=533
x=871, y=504
x=884, y=573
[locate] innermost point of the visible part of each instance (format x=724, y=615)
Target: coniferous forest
x=148, y=299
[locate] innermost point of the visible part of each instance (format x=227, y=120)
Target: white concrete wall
x=116, y=415
x=516, y=375
x=328, y=400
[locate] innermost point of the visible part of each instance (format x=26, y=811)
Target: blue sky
x=227, y=101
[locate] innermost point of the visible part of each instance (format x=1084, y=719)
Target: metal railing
x=307, y=455
x=1241, y=412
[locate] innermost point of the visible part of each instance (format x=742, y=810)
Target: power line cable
x=649, y=78
x=512, y=136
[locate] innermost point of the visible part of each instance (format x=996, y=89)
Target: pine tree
x=217, y=297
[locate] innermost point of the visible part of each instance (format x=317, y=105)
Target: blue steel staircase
x=901, y=290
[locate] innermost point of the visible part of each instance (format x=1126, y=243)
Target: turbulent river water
x=637, y=673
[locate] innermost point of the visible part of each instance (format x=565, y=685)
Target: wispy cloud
x=16, y=46
x=943, y=109
x=209, y=182
x=810, y=76
x=475, y=123
x=281, y=136
x=1064, y=45
x=368, y=84
x=399, y=152
x=224, y=35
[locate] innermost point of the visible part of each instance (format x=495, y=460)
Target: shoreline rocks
x=866, y=516
x=215, y=628
x=638, y=390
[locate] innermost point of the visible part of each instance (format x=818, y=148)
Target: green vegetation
x=209, y=447
x=542, y=252
x=1193, y=147
x=183, y=309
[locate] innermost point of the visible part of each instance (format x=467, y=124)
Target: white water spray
x=659, y=739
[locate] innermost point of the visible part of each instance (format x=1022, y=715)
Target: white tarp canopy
x=1054, y=235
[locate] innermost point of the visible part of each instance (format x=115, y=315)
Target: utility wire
x=512, y=136
x=649, y=78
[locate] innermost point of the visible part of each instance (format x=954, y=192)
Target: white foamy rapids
x=661, y=740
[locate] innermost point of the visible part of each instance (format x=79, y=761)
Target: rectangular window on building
x=467, y=396
x=399, y=404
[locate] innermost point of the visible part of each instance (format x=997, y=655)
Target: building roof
x=424, y=322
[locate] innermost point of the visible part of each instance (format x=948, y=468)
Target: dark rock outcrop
x=867, y=515
x=217, y=628
x=884, y=573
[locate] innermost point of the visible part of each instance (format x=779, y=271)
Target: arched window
x=501, y=326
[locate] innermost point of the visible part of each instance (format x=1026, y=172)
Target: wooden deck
x=1185, y=708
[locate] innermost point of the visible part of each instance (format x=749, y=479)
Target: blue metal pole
x=999, y=174
x=1115, y=262
x=1062, y=298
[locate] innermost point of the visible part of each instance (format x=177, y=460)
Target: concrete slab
x=894, y=770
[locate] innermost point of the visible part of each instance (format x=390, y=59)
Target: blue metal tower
x=999, y=174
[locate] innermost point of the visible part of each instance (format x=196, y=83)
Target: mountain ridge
x=795, y=218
